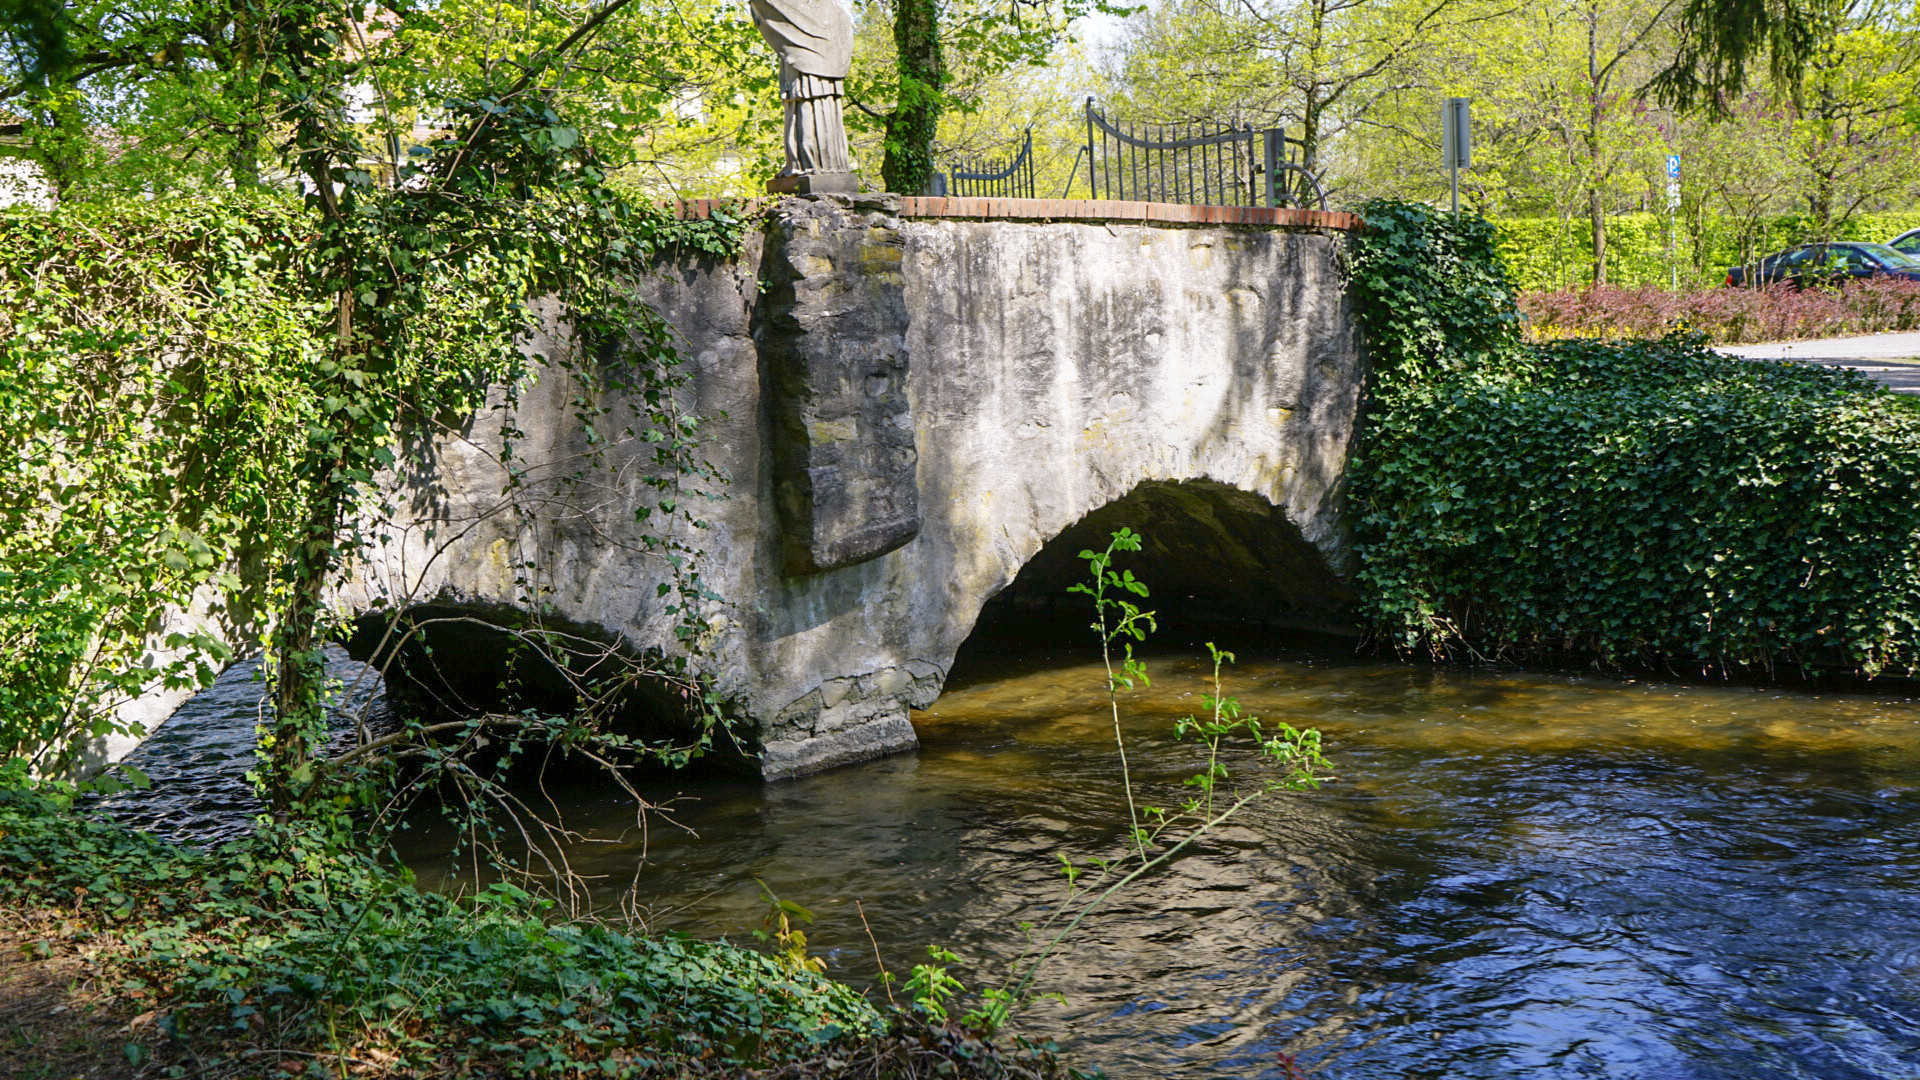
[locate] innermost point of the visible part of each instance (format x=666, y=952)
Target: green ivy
x=286, y=939
x=151, y=386
x=1639, y=501
x=162, y=385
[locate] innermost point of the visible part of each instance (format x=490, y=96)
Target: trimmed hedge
x=1643, y=501
x=1542, y=254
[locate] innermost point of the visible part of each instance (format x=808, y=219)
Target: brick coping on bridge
x=1109, y=210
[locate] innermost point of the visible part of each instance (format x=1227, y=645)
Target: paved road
x=1892, y=360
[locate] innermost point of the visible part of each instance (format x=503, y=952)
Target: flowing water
x=199, y=759
x=1515, y=875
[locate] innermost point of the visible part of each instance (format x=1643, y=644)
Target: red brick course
x=927, y=206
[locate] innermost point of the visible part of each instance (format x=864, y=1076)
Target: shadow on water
x=1517, y=874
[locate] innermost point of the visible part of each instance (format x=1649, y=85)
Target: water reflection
x=1516, y=874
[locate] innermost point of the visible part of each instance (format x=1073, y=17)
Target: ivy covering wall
x=1640, y=501
x=165, y=369
x=154, y=385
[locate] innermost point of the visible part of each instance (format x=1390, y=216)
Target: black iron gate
x=1198, y=163
x=990, y=178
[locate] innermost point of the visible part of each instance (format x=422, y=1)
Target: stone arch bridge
x=911, y=398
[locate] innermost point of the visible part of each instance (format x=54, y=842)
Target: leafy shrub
x=1726, y=316
x=1638, y=500
x=288, y=940
x=152, y=386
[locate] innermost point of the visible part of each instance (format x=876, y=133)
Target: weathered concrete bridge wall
x=908, y=411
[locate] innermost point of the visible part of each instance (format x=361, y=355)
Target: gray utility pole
x=1456, y=141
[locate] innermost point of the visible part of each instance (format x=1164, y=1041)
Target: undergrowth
x=292, y=954
x=1636, y=501
x=286, y=953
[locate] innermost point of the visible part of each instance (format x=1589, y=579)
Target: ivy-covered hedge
x=1641, y=500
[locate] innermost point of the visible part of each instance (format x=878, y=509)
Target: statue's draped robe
x=814, y=40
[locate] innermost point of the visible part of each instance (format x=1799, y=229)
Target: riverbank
x=285, y=954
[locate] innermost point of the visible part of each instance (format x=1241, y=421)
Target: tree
x=1319, y=68
x=1720, y=41
x=939, y=56
x=1615, y=35
x=176, y=81
x=1854, y=132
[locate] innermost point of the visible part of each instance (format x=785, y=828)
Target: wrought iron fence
x=1199, y=163
x=990, y=178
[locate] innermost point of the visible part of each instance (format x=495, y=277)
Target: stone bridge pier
x=908, y=404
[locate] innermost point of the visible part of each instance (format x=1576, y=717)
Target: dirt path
x=55, y=1023
x=1892, y=360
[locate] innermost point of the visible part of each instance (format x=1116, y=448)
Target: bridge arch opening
x=456, y=662
x=1217, y=559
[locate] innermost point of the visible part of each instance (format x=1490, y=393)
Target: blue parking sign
x=1673, y=166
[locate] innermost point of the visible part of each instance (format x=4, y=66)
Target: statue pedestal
x=843, y=183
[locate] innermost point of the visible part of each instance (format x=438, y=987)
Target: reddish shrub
x=1726, y=316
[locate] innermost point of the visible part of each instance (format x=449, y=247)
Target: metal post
x=1673, y=204
x=1272, y=165
x=1093, y=187
x=1456, y=142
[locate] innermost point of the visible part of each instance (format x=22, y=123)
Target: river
x=1514, y=875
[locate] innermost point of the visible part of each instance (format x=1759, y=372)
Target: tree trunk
x=299, y=678
x=1597, y=214
x=1596, y=115
x=915, y=119
x=1310, y=120
x=299, y=724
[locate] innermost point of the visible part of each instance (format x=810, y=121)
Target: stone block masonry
x=910, y=399
x=832, y=335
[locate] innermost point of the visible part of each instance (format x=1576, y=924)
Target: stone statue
x=814, y=40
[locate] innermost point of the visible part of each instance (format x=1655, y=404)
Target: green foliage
x=165, y=371
x=284, y=941
x=931, y=986
x=1281, y=759
x=1721, y=40
x=789, y=941
x=1117, y=619
x=1637, y=501
x=118, y=97
x=1430, y=291
x=154, y=386
x=1544, y=253
x=940, y=58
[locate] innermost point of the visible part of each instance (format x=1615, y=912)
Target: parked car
x=1830, y=263
x=1907, y=242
